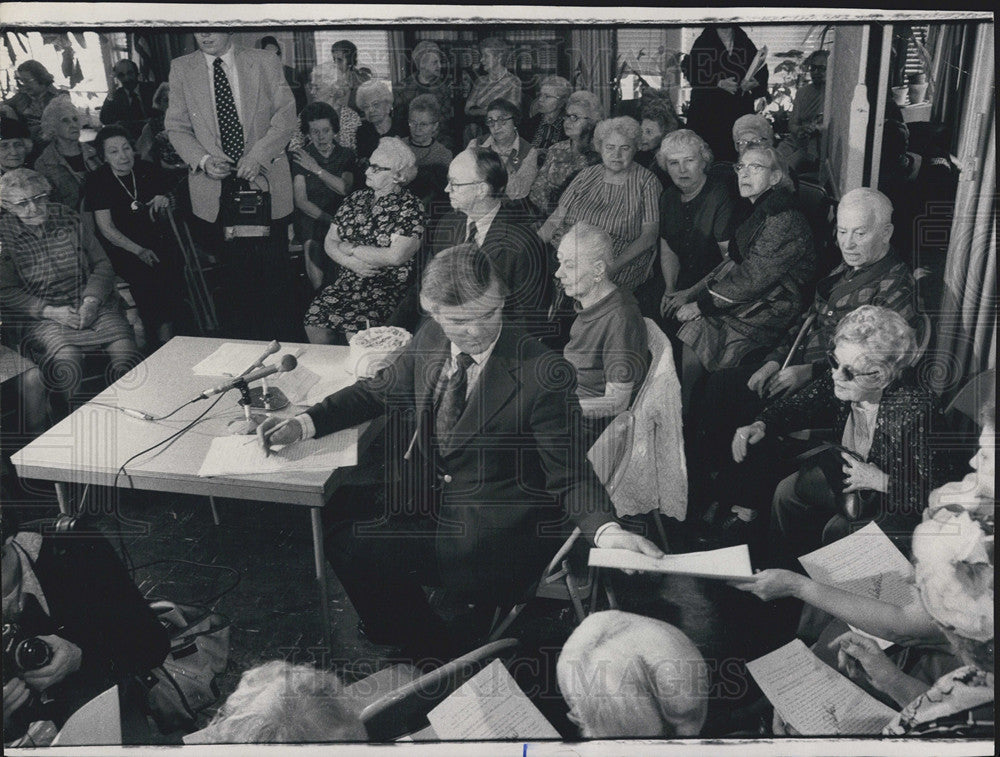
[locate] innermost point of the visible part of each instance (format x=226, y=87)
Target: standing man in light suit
x=230, y=116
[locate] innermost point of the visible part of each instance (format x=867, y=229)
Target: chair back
x=405, y=710
x=97, y=723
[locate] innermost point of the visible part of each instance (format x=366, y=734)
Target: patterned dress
x=562, y=163
x=365, y=219
x=619, y=209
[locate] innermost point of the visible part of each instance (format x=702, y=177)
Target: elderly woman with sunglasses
x=739, y=310
x=57, y=284
x=374, y=236
x=882, y=425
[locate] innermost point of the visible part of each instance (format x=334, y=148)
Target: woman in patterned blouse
x=57, y=285
x=566, y=159
x=496, y=83
x=619, y=196
x=518, y=156
x=374, y=236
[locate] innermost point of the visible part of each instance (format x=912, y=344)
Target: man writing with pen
x=230, y=116
x=496, y=474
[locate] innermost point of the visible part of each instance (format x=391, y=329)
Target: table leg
x=62, y=497
x=215, y=513
x=320, y=556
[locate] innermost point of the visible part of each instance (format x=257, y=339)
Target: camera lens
x=32, y=654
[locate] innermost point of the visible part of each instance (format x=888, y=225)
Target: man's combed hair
x=456, y=276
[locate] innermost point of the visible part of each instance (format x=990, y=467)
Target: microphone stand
x=249, y=422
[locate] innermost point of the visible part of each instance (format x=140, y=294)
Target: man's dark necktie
x=453, y=398
x=230, y=128
x=470, y=233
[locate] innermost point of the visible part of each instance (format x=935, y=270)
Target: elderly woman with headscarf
x=518, y=156
x=628, y=676
x=34, y=91
x=738, y=310
x=882, y=467
x=57, y=282
x=374, y=236
x=545, y=127
x=619, y=196
x=65, y=162
x=375, y=102
x=566, y=159
x=428, y=78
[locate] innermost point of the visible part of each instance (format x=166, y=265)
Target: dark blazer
x=515, y=467
x=514, y=248
x=118, y=109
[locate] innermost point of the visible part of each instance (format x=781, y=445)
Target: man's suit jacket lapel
x=201, y=92
x=249, y=89
x=426, y=377
x=492, y=392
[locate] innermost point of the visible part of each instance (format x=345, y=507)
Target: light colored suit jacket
x=268, y=117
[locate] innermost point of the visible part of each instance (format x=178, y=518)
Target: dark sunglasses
x=849, y=373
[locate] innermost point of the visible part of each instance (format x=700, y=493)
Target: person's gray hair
x=625, y=675
x=401, y=159
x=680, y=140
x=560, y=84
x=428, y=104
x=55, y=110
x=29, y=182
x=877, y=203
x=456, y=276
x=775, y=161
x=756, y=124
x=889, y=342
x=373, y=89
x=622, y=125
x=279, y=702
x=589, y=101
x=591, y=241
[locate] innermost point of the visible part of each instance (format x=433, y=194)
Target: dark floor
x=274, y=612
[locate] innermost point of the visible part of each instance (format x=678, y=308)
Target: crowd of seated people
x=569, y=225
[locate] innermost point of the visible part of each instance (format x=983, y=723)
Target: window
x=640, y=54
x=373, y=49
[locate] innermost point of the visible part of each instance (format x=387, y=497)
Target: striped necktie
x=453, y=397
x=230, y=128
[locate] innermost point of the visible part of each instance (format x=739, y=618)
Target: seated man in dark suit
x=504, y=231
x=131, y=105
x=497, y=463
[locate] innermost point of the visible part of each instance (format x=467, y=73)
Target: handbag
x=185, y=684
x=244, y=210
x=821, y=481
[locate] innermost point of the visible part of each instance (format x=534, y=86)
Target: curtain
x=399, y=59
x=305, y=51
x=592, y=55
x=967, y=330
x=951, y=46
x=155, y=50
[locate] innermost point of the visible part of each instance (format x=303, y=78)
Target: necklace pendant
x=135, y=205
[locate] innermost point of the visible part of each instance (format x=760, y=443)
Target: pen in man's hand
x=265, y=435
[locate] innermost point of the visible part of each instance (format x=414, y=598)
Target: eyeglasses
x=498, y=121
x=36, y=200
x=574, y=117
x=755, y=168
x=422, y=124
x=453, y=183
x=849, y=373
x=375, y=168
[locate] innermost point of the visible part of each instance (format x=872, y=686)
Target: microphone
x=269, y=350
x=288, y=363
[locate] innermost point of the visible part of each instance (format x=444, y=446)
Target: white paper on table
x=865, y=563
x=815, y=699
x=242, y=455
x=295, y=383
x=230, y=359
x=490, y=705
x=731, y=563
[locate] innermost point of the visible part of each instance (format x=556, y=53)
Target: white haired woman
x=57, y=284
x=282, y=703
x=374, y=236
x=619, y=196
x=881, y=470
x=428, y=78
x=65, y=162
x=566, y=159
x=375, y=101
x=545, y=127
x=628, y=676
x=737, y=311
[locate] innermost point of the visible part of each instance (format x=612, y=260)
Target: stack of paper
x=244, y=456
x=731, y=563
x=815, y=699
x=490, y=705
x=865, y=563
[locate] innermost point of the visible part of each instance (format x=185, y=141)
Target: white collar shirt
x=229, y=66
